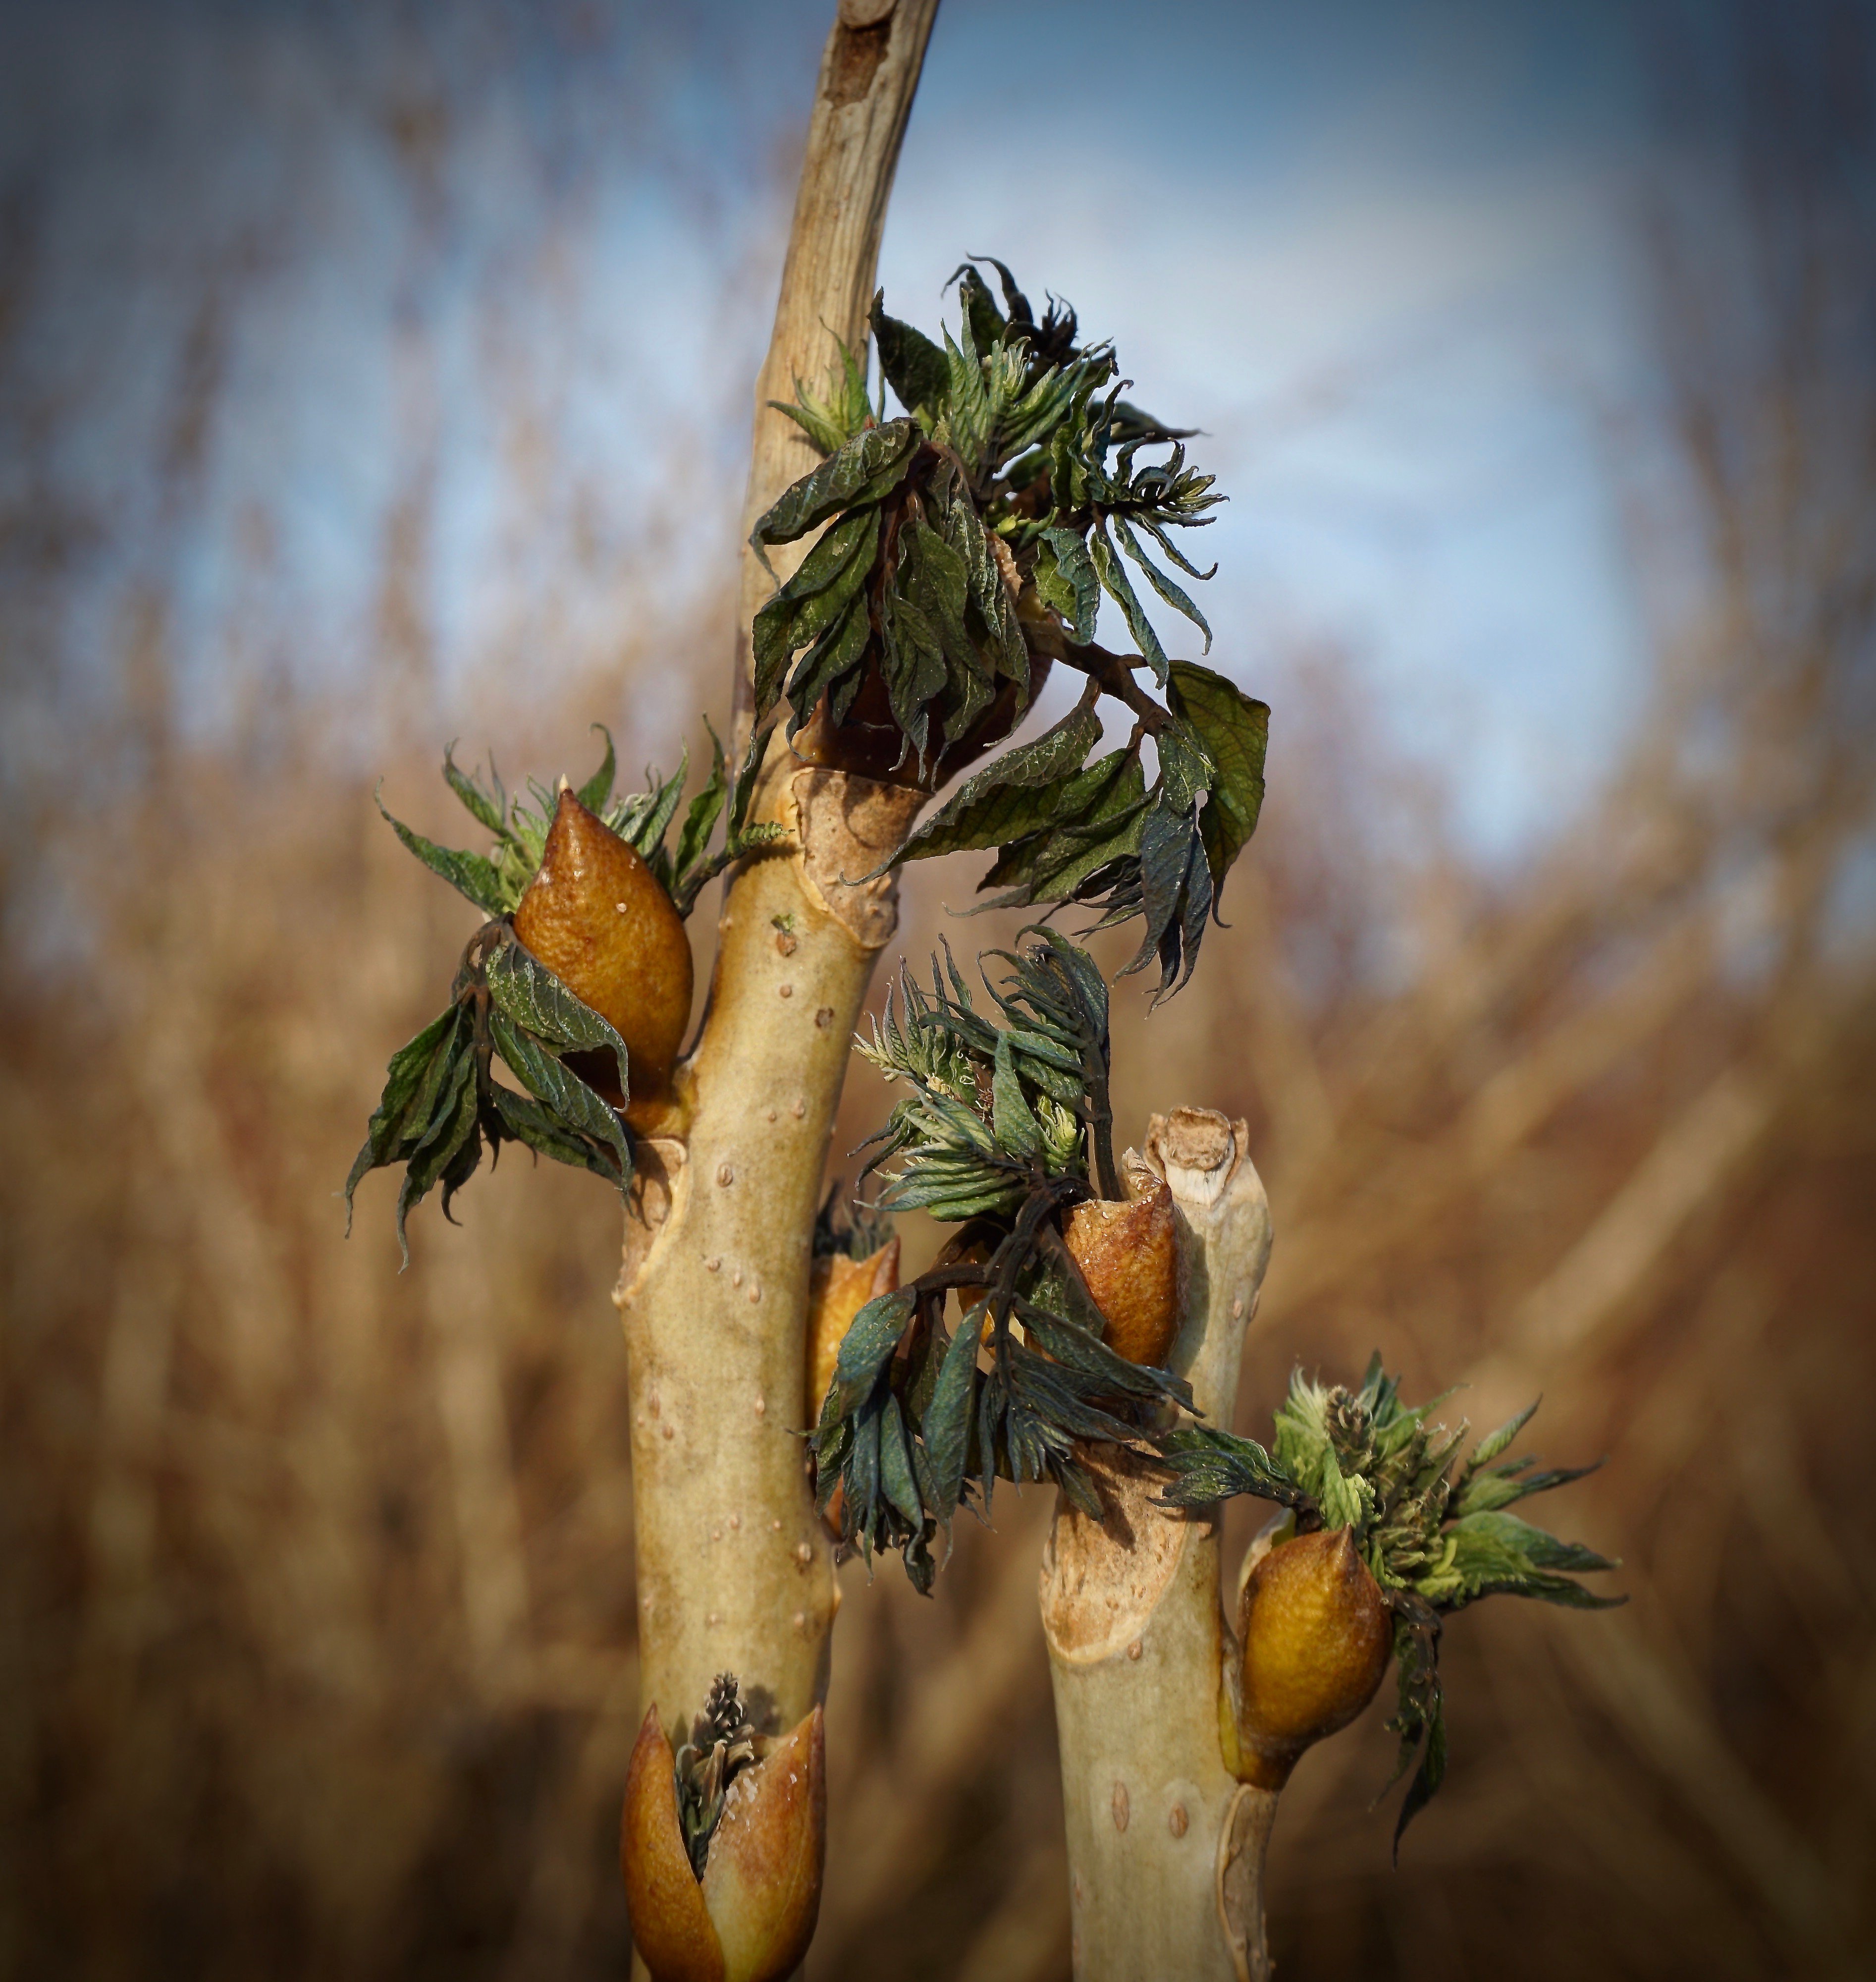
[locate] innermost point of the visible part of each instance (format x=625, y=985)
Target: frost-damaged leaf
x=913, y=366
x=814, y=599
x=1235, y=730
x=1100, y=821
x=871, y=1338
x=414, y=1078
x=946, y=1429
x=571, y=1101
x=1166, y=843
x=1420, y=1716
x=862, y=471
x=1017, y=794
x=895, y=1465
x=835, y=655
x=440, y=1143
x=523, y=1119
x=530, y=994
x=469, y=874
x=1067, y=580
x=1175, y=596
x=964, y=530
x=1119, y=587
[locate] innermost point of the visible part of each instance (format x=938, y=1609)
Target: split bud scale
x=1127, y=1250
x=751, y=1915
x=597, y=917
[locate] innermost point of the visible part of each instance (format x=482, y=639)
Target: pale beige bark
x=1165, y=1848
x=734, y=1570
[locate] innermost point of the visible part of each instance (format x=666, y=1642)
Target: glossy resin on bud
x=751, y=1915
x=1316, y=1634
x=596, y=916
x=1128, y=1251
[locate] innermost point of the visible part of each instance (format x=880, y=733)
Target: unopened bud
x=1316, y=1634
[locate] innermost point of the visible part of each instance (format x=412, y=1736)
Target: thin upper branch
x=869, y=71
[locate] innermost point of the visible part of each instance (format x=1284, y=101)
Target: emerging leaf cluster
x=723, y=1742
x=441, y=1101
x=964, y=547
x=496, y=881
x=1433, y=1529
x=998, y=1136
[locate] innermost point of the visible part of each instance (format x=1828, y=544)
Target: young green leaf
x=534, y=998
x=469, y=874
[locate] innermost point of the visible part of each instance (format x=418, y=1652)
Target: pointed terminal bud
x=1128, y=1254
x=762, y=1884
x=670, y=1925
x=1317, y=1634
x=839, y=1287
x=596, y=916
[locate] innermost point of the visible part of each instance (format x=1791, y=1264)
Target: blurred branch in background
x=315, y=1633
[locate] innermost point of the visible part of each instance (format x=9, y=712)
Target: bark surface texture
x=734, y=1571
x=1165, y=1847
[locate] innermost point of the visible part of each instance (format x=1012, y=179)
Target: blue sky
x=514, y=264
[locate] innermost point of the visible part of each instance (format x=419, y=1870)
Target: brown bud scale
x=596, y=916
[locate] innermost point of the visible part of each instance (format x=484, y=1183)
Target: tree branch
x=1165, y=1848
x=734, y=1571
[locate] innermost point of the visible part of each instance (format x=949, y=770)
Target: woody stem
x=1165, y=1847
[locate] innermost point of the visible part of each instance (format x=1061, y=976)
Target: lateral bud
x=1314, y=1635
x=755, y=1810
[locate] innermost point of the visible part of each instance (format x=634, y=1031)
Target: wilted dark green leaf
x=871, y=1338
x=1067, y=580
x=523, y=987
x=414, y=1078
x=561, y=1089
x=1019, y=793
x=862, y=471
x=913, y=366
x=1235, y=730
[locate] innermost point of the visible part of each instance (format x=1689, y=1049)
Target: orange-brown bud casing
x=837, y=1287
x=1128, y=1253
x=1316, y=1634
x=752, y=1916
x=596, y=916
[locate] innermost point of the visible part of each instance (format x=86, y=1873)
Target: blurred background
x=374, y=377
